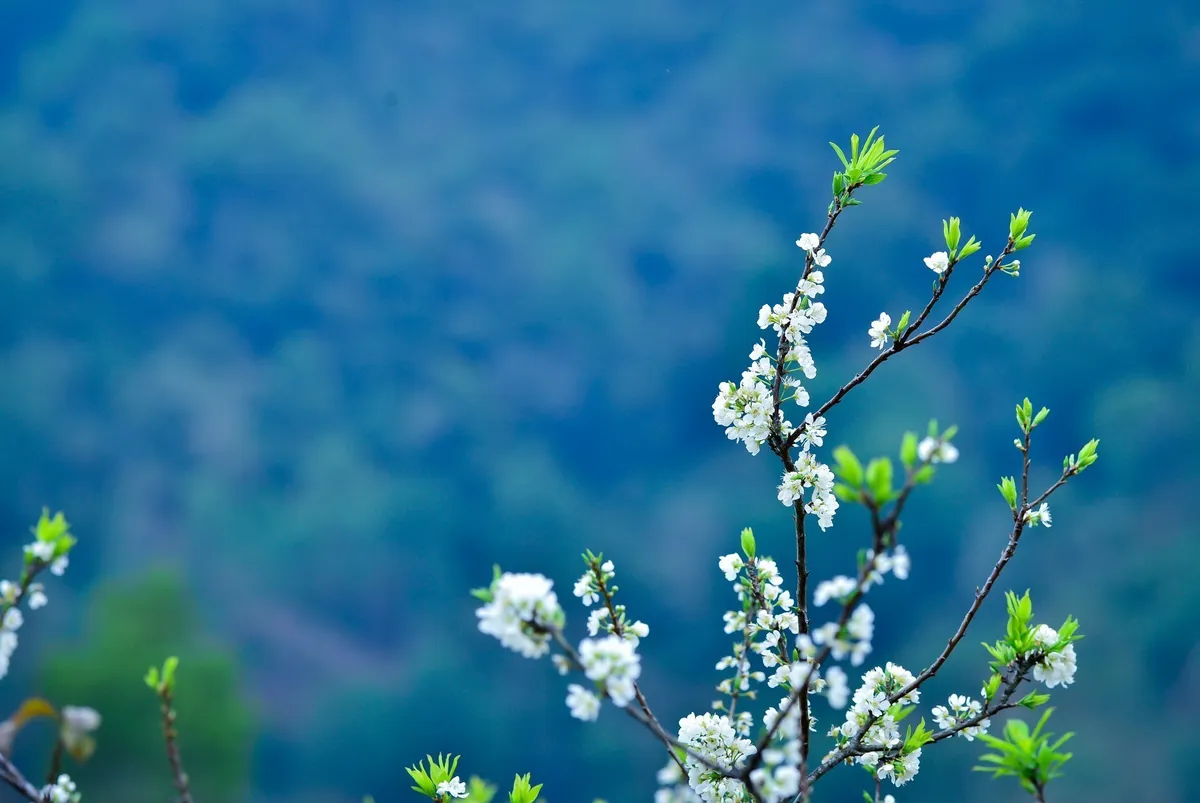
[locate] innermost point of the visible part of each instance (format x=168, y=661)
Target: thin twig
x=171, y=737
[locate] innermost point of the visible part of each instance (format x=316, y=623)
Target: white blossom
x=584, y=705
x=61, y=791
x=714, y=737
x=585, y=588
x=837, y=690
x=453, y=787
x=1039, y=515
x=1057, y=668
x=522, y=613
x=931, y=450
x=809, y=242
x=42, y=550
x=961, y=709
x=813, y=432
x=613, y=662
x=879, y=331
x=731, y=564
x=838, y=587
x=596, y=620
x=938, y=262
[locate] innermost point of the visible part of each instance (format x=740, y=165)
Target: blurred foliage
x=335, y=306
x=133, y=625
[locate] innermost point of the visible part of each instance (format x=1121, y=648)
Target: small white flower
x=731, y=565
x=522, y=613
x=13, y=619
x=1045, y=636
x=453, y=787
x=791, y=488
x=1040, y=515
x=838, y=587
x=809, y=241
x=901, y=563
x=930, y=450
x=42, y=550
x=584, y=705
x=879, y=331
x=1057, y=668
x=61, y=791
x=614, y=662
x=814, y=431
x=37, y=597
x=938, y=262
x=596, y=620
x=59, y=566
x=80, y=718
x=838, y=690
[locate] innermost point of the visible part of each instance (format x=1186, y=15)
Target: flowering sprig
x=50, y=549
x=162, y=683
x=716, y=753
x=438, y=781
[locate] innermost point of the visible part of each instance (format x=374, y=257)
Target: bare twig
x=171, y=737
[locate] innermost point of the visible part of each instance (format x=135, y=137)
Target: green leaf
x=879, y=478
x=971, y=247
x=842, y=156
x=522, y=792
x=951, y=233
x=848, y=468
x=846, y=494
x=992, y=686
x=748, y=542
x=1008, y=489
x=874, y=178
x=51, y=530
x=1087, y=455
x=908, y=449
x=168, y=673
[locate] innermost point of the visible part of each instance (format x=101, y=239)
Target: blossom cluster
x=522, y=613
x=713, y=738
x=747, y=409
x=713, y=757
x=872, y=710
x=1057, y=666
x=961, y=709
x=62, y=790
x=48, y=550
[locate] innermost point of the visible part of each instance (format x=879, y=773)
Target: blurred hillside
x=332, y=307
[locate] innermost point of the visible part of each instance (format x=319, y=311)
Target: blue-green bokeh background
x=326, y=308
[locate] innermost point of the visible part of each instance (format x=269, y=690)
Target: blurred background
x=311, y=312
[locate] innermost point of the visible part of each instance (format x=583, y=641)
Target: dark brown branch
x=171, y=737
x=905, y=340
